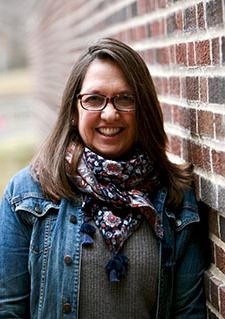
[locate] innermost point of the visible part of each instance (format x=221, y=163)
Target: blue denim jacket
x=40, y=256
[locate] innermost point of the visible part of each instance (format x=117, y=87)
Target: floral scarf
x=117, y=198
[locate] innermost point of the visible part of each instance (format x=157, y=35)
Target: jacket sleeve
x=14, y=277
x=189, y=298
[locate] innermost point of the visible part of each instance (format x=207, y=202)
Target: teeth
x=109, y=130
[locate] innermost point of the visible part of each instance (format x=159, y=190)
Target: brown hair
x=50, y=161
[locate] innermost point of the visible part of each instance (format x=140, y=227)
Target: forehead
x=103, y=74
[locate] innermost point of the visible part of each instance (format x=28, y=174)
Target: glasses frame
x=107, y=100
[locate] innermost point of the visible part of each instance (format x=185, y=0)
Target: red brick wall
x=183, y=43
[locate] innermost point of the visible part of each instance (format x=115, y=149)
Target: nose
x=109, y=113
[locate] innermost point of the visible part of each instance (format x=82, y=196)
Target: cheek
x=85, y=126
x=81, y=123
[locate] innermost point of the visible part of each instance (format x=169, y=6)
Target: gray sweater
x=132, y=298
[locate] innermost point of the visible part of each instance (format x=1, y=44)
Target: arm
x=14, y=277
x=189, y=298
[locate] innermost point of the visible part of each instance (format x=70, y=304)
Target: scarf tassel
x=88, y=232
x=117, y=267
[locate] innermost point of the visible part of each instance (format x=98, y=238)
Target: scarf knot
x=117, y=198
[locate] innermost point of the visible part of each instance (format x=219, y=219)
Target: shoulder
x=186, y=214
x=23, y=183
x=189, y=210
x=24, y=194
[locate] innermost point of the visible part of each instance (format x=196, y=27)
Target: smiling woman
x=102, y=224
x=110, y=131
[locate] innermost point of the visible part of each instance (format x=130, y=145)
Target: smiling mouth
x=109, y=131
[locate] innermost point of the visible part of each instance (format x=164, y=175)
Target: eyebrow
x=95, y=91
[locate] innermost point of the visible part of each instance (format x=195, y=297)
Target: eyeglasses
x=97, y=102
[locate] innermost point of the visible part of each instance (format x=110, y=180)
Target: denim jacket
x=40, y=256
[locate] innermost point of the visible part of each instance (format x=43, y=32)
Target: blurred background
x=18, y=127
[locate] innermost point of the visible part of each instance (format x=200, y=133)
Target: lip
x=109, y=131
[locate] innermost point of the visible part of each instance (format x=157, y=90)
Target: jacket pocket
x=41, y=215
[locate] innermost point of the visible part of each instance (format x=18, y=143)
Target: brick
x=203, y=90
x=162, y=27
x=192, y=88
x=220, y=258
x=150, y=56
x=141, y=7
x=158, y=84
x=205, y=124
x=200, y=156
x=155, y=28
x=206, y=161
x=145, y=6
x=165, y=84
x=193, y=121
x=221, y=200
x=162, y=55
x=179, y=20
x=216, y=90
x=222, y=301
x=195, y=154
x=220, y=126
x=215, y=51
x=167, y=114
x=222, y=228
x=218, y=161
x=203, y=52
x=191, y=54
x=200, y=15
x=171, y=23
x=181, y=57
x=134, y=9
x=161, y=3
x=141, y=33
x=149, y=31
x=131, y=34
x=208, y=192
x=120, y=16
x=186, y=151
x=190, y=19
x=223, y=49
x=183, y=83
x=214, y=292
x=174, y=86
x=214, y=13
x=175, y=145
x=181, y=116
x=172, y=54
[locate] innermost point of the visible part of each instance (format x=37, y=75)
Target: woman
x=102, y=224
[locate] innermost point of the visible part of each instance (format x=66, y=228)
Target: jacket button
x=73, y=219
x=178, y=222
x=67, y=259
x=67, y=307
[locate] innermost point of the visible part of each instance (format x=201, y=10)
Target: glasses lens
x=92, y=101
x=124, y=102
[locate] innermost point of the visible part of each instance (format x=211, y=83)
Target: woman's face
x=109, y=132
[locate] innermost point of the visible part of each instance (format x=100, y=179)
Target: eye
x=93, y=100
x=125, y=100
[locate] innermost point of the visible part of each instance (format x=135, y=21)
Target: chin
x=114, y=155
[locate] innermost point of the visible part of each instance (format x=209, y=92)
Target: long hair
x=49, y=164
